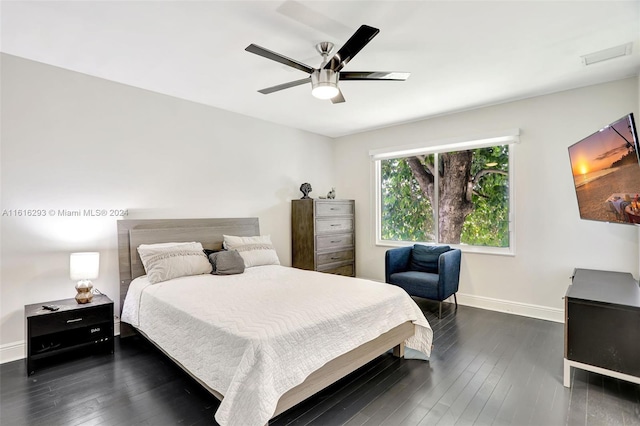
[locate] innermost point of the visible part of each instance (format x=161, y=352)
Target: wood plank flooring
x=487, y=368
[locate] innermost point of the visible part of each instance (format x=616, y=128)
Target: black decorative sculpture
x=305, y=188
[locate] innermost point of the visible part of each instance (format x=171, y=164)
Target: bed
x=267, y=339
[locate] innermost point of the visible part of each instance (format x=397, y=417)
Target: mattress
x=254, y=336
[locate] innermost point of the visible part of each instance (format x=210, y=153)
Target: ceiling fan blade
x=358, y=40
x=285, y=86
x=266, y=53
x=374, y=75
x=338, y=98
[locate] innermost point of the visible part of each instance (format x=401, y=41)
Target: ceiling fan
x=324, y=80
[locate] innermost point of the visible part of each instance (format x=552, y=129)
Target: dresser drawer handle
x=335, y=258
x=74, y=320
x=335, y=224
x=336, y=241
x=333, y=208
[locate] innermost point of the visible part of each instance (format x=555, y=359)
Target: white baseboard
x=17, y=350
x=12, y=351
x=509, y=307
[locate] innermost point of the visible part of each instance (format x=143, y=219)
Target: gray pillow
x=226, y=262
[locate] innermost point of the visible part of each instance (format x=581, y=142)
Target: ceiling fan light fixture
x=324, y=91
x=324, y=84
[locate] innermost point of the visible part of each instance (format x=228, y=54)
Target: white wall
x=70, y=141
x=551, y=240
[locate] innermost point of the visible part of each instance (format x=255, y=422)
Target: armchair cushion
x=425, y=258
x=421, y=284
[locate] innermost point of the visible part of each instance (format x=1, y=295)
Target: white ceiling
x=461, y=54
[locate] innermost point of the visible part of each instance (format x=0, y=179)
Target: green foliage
x=407, y=213
x=488, y=225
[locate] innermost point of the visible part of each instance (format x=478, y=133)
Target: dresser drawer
x=330, y=242
x=333, y=208
x=334, y=225
x=67, y=320
x=335, y=256
x=346, y=270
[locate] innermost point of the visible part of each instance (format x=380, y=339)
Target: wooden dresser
x=323, y=236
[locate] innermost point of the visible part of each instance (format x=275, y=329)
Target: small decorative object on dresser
x=305, y=188
x=332, y=194
x=323, y=236
x=84, y=267
x=62, y=326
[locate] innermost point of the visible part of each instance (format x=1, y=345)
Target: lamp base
x=84, y=297
x=84, y=292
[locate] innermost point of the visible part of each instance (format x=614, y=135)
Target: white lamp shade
x=84, y=266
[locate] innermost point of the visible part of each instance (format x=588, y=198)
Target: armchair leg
x=440, y=311
x=455, y=299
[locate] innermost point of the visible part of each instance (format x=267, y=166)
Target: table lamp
x=84, y=267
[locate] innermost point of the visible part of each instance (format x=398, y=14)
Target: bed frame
x=209, y=232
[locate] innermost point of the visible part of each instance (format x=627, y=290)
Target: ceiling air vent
x=606, y=54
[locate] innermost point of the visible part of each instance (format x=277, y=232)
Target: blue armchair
x=432, y=272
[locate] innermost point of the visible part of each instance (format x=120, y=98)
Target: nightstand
x=74, y=326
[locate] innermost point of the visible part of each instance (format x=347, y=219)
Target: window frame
x=510, y=138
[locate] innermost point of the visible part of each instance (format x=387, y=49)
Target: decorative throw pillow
x=165, y=261
x=226, y=262
x=425, y=258
x=207, y=252
x=256, y=251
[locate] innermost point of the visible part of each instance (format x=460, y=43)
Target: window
x=458, y=194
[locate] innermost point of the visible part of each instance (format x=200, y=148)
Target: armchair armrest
x=449, y=272
x=396, y=260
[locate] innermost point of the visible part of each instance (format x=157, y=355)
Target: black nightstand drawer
x=66, y=320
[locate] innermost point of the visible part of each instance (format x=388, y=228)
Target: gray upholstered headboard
x=209, y=232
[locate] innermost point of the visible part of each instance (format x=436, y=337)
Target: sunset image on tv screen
x=606, y=174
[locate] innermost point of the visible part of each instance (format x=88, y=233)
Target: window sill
x=465, y=248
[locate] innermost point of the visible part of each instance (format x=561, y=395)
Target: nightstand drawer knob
x=74, y=320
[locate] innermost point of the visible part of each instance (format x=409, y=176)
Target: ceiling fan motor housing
x=324, y=83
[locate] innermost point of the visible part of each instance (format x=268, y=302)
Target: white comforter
x=254, y=336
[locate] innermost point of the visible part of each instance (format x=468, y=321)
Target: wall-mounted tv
x=606, y=173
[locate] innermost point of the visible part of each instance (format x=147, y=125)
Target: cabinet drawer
x=329, y=242
x=346, y=270
x=334, y=225
x=68, y=320
x=332, y=208
x=336, y=256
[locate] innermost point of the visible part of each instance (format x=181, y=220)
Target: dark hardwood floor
x=486, y=368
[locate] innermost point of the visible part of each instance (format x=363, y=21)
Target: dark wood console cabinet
x=602, y=325
x=71, y=327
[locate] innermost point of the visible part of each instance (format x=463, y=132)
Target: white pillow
x=256, y=251
x=165, y=261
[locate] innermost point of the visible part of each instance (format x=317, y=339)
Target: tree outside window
x=464, y=200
